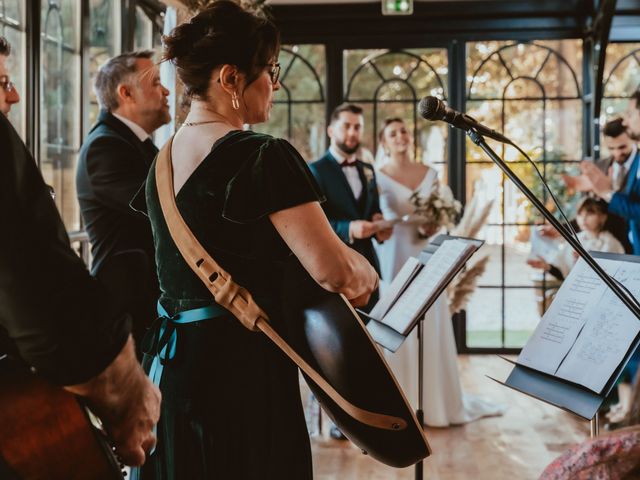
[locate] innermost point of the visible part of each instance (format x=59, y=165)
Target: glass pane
x=16, y=65
x=303, y=82
x=561, y=75
x=308, y=130
x=143, y=36
x=61, y=22
x=396, y=90
x=299, y=113
x=492, y=276
x=484, y=318
x=104, y=16
x=11, y=11
x=563, y=130
x=522, y=313
x=422, y=71
x=516, y=252
x=432, y=146
x=60, y=107
x=622, y=69
x=524, y=124
x=611, y=108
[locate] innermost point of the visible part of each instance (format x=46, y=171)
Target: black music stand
x=390, y=339
x=564, y=394
x=539, y=385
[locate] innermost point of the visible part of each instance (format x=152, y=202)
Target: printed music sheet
x=587, y=331
x=609, y=330
x=402, y=314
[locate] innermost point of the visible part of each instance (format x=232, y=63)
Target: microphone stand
x=630, y=302
x=420, y=412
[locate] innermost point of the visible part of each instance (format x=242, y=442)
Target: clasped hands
x=592, y=179
x=365, y=229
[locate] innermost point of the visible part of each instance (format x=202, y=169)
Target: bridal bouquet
x=439, y=208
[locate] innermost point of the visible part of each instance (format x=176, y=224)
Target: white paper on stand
x=399, y=283
x=402, y=314
x=561, y=324
x=609, y=330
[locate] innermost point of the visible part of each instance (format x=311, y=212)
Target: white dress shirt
x=139, y=132
x=351, y=173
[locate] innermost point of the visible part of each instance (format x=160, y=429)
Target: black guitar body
x=326, y=331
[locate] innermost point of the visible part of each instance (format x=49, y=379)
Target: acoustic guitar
x=47, y=434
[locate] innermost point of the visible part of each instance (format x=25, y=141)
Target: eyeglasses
x=274, y=72
x=6, y=84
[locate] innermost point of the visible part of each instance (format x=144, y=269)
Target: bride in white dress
x=444, y=403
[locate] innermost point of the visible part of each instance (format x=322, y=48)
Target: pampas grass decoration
x=474, y=218
x=461, y=289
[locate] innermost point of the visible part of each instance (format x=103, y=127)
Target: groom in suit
x=349, y=185
x=114, y=162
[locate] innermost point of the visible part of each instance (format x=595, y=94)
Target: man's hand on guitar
x=127, y=403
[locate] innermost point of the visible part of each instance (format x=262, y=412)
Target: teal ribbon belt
x=166, y=337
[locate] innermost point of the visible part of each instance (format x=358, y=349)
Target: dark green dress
x=231, y=404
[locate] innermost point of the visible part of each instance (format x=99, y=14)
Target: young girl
x=591, y=217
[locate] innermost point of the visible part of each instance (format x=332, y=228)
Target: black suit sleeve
x=111, y=171
x=55, y=315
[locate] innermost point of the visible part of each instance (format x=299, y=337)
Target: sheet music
x=609, y=330
x=558, y=329
x=398, y=284
x=401, y=316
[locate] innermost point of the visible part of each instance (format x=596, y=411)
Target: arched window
x=390, y=83
x=532, y=93
x=298, y=112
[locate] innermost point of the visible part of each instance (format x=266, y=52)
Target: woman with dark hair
x=231, y=405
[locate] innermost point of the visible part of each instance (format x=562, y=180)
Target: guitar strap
x=237, y=299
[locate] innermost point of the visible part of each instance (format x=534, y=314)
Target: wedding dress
x=444, y=403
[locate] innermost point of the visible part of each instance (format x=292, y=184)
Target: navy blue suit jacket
x=626, y=204
x=341, y=207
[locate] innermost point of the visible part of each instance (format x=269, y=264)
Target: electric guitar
x=46, y=433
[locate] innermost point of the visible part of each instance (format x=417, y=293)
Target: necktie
x=619, y=178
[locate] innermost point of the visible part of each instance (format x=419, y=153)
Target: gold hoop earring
x=235, y=103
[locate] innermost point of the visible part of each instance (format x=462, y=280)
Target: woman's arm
x=335, y=266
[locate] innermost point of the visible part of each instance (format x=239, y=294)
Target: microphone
x=432, y=108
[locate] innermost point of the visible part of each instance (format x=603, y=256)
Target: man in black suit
x=113, y=164
x=57, y=319
x=349, y=185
